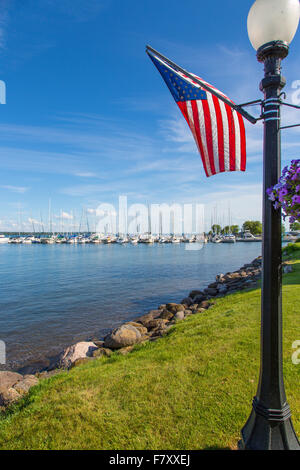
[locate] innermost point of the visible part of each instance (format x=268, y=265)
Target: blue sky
x=89, y=118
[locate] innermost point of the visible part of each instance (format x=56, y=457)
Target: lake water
x=54, y=295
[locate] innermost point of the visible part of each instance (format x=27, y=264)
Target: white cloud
x=15, y=189
x=64, y=215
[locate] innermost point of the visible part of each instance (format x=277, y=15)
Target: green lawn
x=190, y=390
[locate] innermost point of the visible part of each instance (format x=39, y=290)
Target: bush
x=291, y=247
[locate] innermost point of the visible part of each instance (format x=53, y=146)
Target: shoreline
x=122, y=339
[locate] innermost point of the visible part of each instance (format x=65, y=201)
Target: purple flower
x=285, y=194
x=272, y=197
x=296, y=199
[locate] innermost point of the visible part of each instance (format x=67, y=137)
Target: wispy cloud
x=64, y=215
x=15, y=189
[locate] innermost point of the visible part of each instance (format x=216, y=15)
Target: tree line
x=254, y=226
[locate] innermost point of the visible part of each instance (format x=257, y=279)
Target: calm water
x=54, y=295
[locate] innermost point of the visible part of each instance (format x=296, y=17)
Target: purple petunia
x=284, y=194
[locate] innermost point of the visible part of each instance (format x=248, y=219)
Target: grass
x=190, y=390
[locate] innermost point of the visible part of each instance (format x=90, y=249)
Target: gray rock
x=199, y=298
x=179, y=315
x=125, y=335
x=7, y=393
x=172, y=307
x=188, y=312
x=142, y=329
x=9, y=396
x=187, y=301
x=102, y=352
x=76, y=351
x=144, y=319
x=222, y=288
x=25, y=385
x=9, y=379
x=166, y=315
x=157, y=323
x=212, y=291
x=194, y=293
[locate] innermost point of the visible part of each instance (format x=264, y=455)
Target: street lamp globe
x=273, y=20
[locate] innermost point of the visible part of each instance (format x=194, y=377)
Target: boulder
x=211, y=291
x=79, y=361
x=193, y=307
x=24, y=385
x=199, y=298
x=102, y=352
x=213, y=285
x=9, y=396
x=166, y=315
x=9, y=379
x=7, y=393
x=200, y=310
x=157, y=323
x=144, y=319
x=142, y=329
x=179, y=315
x=193, y=293
x=76, y=351
x=125, y=335
x=204, y=304
x=187, y=312
x=234, y=275
x=187, y=301
x=222, y=288
x=172, y=307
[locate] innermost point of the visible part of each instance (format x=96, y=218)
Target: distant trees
x=216, y=228
x=254, y=226
x=230, y=229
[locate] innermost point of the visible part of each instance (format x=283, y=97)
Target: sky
x=88, y=118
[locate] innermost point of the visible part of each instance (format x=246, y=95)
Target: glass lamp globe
x=273, y=20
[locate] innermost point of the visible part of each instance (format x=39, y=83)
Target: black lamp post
x=271, y=26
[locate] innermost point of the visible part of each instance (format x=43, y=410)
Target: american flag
x=218, y=129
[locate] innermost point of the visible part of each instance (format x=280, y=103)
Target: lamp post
x=272, y=25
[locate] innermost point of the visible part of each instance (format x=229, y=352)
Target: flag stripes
x=218, y=129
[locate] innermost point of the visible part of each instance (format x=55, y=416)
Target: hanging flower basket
x=286, y=193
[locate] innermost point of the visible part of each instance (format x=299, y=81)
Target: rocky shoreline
x=148, y=327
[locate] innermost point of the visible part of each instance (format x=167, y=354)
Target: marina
x=79, y=291
x=145, y=239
